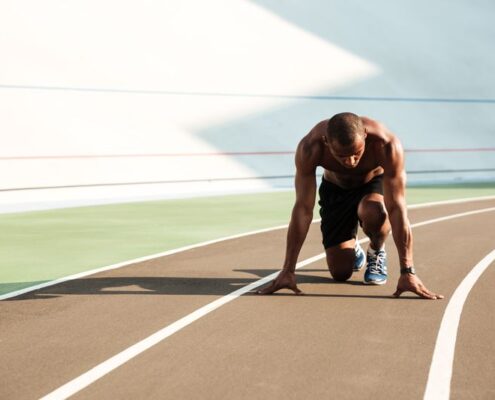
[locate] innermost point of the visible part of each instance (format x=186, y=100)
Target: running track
x=340, y=341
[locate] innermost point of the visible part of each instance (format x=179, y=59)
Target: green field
x=44, y=245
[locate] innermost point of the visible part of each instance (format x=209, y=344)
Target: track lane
x=340, y=341
x=474, y=361
x=198, y=283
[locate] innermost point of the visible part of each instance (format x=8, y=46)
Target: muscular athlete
x=363, y=182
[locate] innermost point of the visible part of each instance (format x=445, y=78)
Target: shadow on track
x=180, y=286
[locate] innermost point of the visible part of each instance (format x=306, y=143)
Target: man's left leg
x=375, y=224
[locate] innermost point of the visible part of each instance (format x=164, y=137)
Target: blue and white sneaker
x=376, y=270
x=360, y=259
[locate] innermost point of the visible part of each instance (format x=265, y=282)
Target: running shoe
x=376, y=270
x=360, y=259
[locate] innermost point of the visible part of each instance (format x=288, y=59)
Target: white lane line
x=116, y=361
x=194, y=246
x=109, y=365
x=439, y=378
x=446, y=202
x=464, y=214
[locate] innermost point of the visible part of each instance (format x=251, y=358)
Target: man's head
x=345, y=138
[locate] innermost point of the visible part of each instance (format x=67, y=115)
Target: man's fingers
x=296, y=290
x=430, y=295
x=274, y=287
x=423, y=292
x=426, y=295
x=413, y=284
x=269, y=289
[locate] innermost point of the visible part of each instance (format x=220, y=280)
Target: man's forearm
x=401, y=231
x=298, y=229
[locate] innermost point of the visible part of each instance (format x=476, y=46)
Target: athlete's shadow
x=304, y=278
x=174, y=285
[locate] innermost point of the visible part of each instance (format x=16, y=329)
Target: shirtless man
x=363, y=182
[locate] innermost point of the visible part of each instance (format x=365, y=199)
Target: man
x=363, y=181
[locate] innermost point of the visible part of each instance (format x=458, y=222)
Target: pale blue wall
x=149, y=77
x=425, y=50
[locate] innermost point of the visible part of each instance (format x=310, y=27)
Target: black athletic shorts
x=338, y=209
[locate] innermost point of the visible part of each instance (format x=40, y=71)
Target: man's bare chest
x=367, y=163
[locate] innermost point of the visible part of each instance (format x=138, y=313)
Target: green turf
x=423, y=194
x=45, y=245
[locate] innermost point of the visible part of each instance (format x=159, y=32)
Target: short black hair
x=345, y=128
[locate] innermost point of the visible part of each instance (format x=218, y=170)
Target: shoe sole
x=375, y=282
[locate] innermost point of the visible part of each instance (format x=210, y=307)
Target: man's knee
x=373, y=214
x=341, y=275
x=340, y=260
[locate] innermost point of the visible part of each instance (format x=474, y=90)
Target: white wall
x=84, y=81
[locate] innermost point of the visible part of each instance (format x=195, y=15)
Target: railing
x=226, y=153
x=217, y=154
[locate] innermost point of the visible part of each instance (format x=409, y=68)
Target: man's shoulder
x=391, y=155
x=384, y=144
x=380, y=135
x=392, y=146
x=310, y=149
x=314, y=138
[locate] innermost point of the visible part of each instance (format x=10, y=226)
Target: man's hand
x=411, y=283
x=285, y=280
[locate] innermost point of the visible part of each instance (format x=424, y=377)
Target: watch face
x=408, y=270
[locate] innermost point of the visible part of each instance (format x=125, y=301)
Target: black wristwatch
x=407, y=270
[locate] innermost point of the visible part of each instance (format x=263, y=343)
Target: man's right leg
x=341, y=259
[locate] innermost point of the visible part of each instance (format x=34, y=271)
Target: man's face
x=347, y=156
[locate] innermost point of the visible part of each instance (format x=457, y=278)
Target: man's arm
x=302, y=215
x=394, y=185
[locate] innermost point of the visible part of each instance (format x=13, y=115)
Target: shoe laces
x=376, y=262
